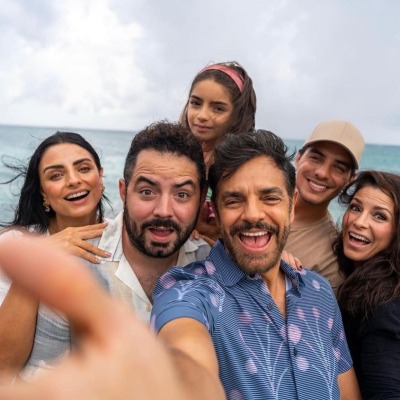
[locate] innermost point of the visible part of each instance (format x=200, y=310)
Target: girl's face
x=71, y=184
x=209, y=112
x=368, y=224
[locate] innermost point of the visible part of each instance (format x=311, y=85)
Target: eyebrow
x=222, y=103
x=233, y=193
x=346, y=164
x=144, y=179
x=60, y=166
x=375, y=208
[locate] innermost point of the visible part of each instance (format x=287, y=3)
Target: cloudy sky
x=121, y=64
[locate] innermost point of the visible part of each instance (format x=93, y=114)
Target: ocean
x=20, y=142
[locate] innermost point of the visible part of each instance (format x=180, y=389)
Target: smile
x=317, y=186
x=77, y=196
x=255, y=240
x=359, y=238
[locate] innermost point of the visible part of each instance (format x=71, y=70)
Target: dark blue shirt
x=261, y=354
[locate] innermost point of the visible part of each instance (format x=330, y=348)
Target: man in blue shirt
x=277, y=332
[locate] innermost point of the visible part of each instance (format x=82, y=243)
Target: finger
x=70, y=288
x=100, y=225
x=91, y=249
x=208, y=240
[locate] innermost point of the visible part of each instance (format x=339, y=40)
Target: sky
x=122, y=64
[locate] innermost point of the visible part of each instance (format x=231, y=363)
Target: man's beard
x=256, y=263
x=137, y=236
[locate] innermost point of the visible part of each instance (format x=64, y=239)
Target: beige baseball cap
x=343, y=133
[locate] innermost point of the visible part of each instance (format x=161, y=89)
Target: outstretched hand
x=73, y=240
x=117, y=357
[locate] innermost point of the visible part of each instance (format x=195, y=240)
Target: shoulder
x=188, y=292
x=193, y=250
x=386, y=317
x=193, y=274
x=317, y=287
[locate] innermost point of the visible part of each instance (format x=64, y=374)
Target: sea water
x=112, y=146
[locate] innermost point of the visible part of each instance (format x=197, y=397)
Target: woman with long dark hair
x=369, y=257
x=62, y=199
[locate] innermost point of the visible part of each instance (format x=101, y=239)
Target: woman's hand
x=73, y=241
x=290, y=259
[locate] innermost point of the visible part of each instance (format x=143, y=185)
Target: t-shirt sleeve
x=182, y=295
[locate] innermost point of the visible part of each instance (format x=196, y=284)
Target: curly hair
x=166, y=137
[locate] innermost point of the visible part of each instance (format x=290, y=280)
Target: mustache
x=161, y=223
x=246, y=226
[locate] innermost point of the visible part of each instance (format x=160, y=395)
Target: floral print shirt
x=261, y=354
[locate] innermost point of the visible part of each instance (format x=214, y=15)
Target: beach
x=19, y=142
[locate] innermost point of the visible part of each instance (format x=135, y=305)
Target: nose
x=322, y=171
x=163, y=207
x=253, y=212
x=361, y=221
x=73, y=178
x=204, y=113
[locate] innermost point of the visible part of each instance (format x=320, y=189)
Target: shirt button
x=148, y=308
x=295, y=352
x=270, y=306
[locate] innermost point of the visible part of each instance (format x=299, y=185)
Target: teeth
x=359, y=237
x=320, y=187
x=73, y=196
x=254, y=233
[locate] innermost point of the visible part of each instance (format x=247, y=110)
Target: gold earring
x=46, y=206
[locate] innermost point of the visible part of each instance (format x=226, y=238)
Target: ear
x=294, y=201
x=122, y=189
x=297, y=159
x=216, y=212
x=352, y=177
x=101, y=173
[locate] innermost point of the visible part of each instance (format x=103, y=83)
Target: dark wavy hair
x=377, y=280
x=166, y=137
x=30, y=210
x=236, y=150
x=244, y=102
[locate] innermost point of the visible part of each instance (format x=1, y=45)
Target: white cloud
x=121, y=63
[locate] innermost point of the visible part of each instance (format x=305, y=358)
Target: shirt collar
x=230, y=274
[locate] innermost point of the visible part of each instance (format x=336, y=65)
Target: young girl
x=221, y=100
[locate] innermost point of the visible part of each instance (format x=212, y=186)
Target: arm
x=207, y=229
x=117, y=357
x=18, y=312
x=194, y=356
x=73, y=240
x=348, y=386
x=17, y=330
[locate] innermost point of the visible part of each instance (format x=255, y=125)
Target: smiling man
x=328, y=160
x=243, y=315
